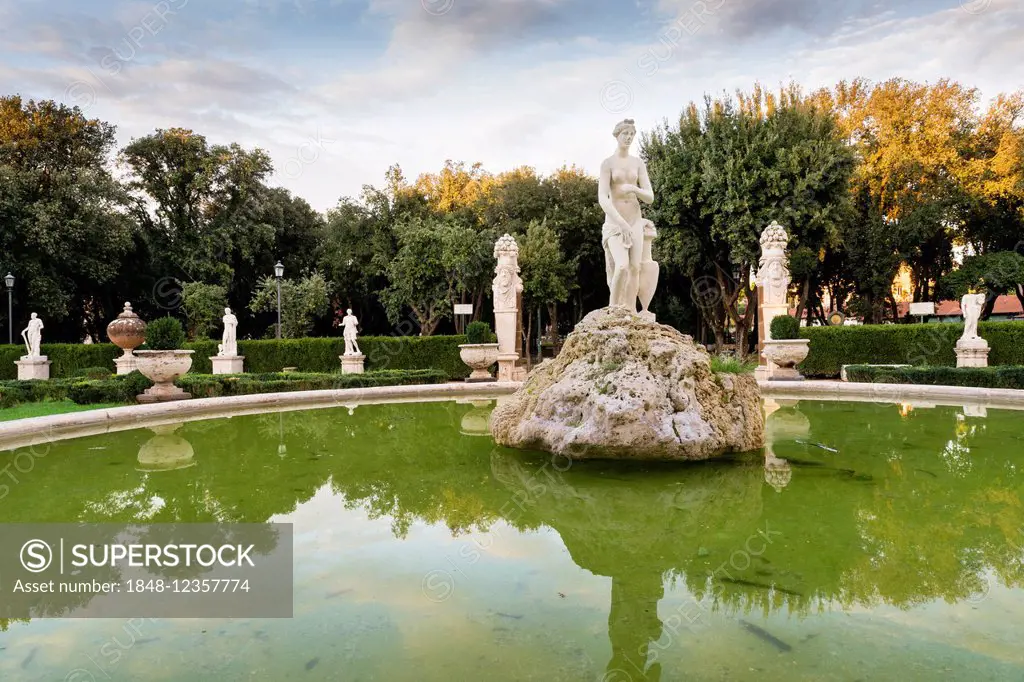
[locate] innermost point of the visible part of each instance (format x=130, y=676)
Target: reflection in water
x=477, y=421
x=852, y=509
x=166, y=451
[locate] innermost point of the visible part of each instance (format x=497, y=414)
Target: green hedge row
x=213, y=386
x=308, y=355
x=123, y=389
x=980, y=377
x=904, y=344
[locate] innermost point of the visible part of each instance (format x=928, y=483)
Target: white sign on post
x=922, y=309
x=463, y=308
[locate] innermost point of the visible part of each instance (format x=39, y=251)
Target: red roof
x=1005, y=305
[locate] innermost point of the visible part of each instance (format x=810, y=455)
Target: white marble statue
x=229, y=341
x=33, y=336
x=626, y=235
x=971, y=305
x=351, y=325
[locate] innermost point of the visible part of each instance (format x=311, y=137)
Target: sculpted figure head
x=624, y=132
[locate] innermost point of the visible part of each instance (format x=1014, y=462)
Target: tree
x=724, y=173
x=190, y=197
x=931, y=171
x=545, y=273
x=418, y=276
x=203, y=305
x=575, y=216
x=302, y=301
x=997, y=273
x=65, y=231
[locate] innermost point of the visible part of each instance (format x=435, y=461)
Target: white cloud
x=466, y=84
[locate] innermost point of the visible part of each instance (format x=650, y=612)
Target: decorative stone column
x=773, y=280
x=507, y=287
x=127, y=332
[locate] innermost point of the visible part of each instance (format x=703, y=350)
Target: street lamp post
x=279, y=273
x=9, y=281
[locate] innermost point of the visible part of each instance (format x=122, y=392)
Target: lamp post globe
x=278, y=273
x=9, y=281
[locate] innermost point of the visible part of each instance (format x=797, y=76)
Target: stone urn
x=127, y=332
x=479, y=357
x=162, y=367
x=786, y=354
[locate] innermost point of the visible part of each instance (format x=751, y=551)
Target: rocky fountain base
x=626, y=388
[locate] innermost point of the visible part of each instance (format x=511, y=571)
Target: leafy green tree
x=433, y=258
x=545, y=273
x=302, y=301
x=64, y=230
x=995, y=274
x=575, y=216
x=190, y=200
x=203, y=305
x=724, y=173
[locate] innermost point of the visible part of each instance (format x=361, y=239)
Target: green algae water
x=866, y=542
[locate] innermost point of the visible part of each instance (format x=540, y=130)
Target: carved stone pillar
x=773, y=280
x=507, y=289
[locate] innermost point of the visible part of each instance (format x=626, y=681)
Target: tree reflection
x=863, y=503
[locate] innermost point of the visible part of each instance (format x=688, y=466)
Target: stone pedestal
x=352, y=364
x=33, y=368
x=126, y=363
x=162, y=393
x=507, y=368
x=228, y=364
x=973, y=355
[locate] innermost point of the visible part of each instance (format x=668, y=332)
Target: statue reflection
x=783, y=422
x=636, y=533
x=165, y=451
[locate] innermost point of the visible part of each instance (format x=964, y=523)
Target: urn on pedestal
x=163, y=361
x=127, y=332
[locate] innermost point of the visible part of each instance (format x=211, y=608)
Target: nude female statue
x=626, y=235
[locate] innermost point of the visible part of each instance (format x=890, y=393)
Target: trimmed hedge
x=216, y=385
x=899, y=344
x=124, y=389
x=979, y=377
x=120, y=389
x=309, y=355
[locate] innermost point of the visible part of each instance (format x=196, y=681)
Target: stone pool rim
x=32, y=431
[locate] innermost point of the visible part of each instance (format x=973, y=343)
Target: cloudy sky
x=338, y=90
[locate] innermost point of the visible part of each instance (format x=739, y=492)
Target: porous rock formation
x=626, y=388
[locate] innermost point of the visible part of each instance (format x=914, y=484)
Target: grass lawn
x=48, y=407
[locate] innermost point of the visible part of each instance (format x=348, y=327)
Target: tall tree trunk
x=805, y=292
x=553, y=314
x=990, y=305
x=526, y=341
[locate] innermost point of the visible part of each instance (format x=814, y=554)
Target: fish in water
x=804, y=462
x=508, y=615
x=765, y=636
x=762, y=586
x=311, y=663
x=818, y=445
x=332, y=595
x=148, y=640
x=28, y=659
x=923, y=471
